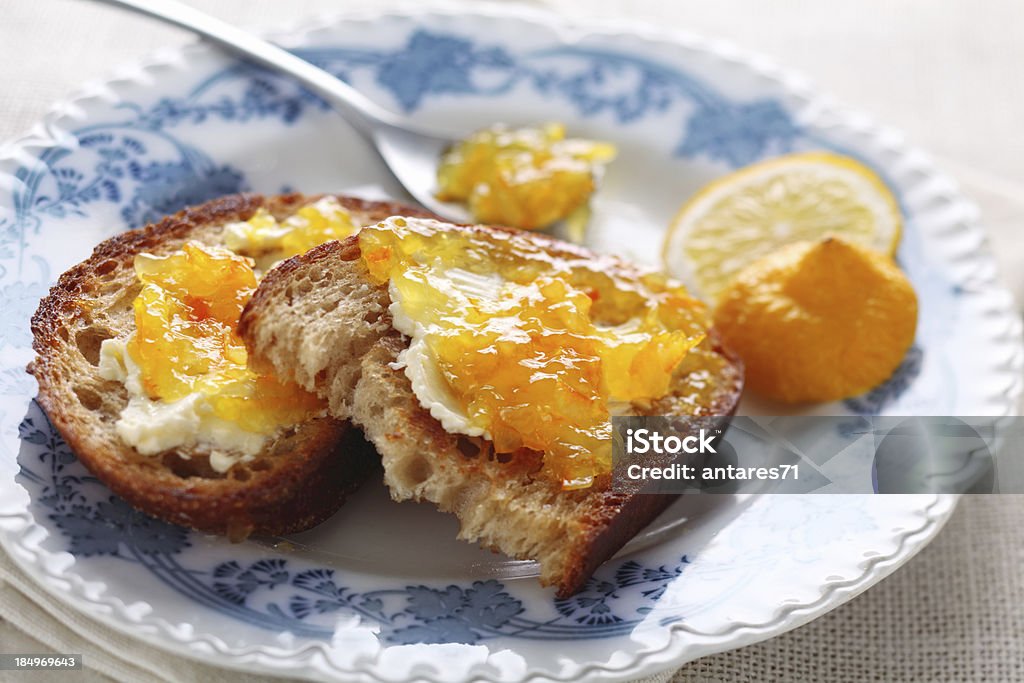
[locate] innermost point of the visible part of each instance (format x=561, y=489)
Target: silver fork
x=410, y=152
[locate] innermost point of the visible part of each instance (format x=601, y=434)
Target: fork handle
x=364, y=114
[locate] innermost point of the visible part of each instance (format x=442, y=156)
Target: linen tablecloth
x=947, y=74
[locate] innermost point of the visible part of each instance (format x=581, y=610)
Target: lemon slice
x=747, y=214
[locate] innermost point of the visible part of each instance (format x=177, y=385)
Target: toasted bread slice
x=499, y=501
x=302, y=475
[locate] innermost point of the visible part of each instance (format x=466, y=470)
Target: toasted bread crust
x=595, y=522
x=300, y=478
x=499, y=500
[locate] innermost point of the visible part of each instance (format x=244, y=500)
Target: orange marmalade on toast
x=268, y=240
x=187, y=341
x=529, y=342
x=185, y=367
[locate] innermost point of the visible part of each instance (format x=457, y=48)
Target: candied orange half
x=818, y=320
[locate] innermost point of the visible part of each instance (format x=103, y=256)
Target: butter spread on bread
x=300, y=474
x=504, y=501
x=184, y=367
x=185, y=370
x=526, y=345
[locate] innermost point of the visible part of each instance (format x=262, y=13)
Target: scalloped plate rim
x=832, y=596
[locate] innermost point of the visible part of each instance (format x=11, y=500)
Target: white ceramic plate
x=383, y=591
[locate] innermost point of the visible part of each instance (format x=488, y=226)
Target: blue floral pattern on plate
x=98, y=523
x=430, y=64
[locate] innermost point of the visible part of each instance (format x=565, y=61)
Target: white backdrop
x=949, y=73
